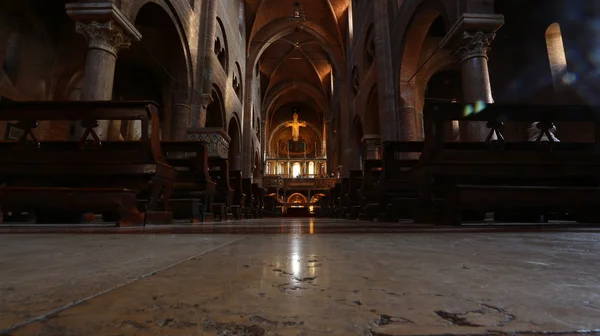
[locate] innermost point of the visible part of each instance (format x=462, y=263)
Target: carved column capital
x=104, y=35
x=474, y=44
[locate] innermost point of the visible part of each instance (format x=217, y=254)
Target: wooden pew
x=249, y=207
x=541, y=176
x=368, y=193
x=239, y=197
x=323, y=208
x=60, y=180
x=193, y=190
x=397, y=193
x=336, y=193
x=341, y=199
x=219, y=173
x=259, y=199
x=351, y=198
x=270, y=207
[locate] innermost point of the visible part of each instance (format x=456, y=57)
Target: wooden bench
x=368, y=193
x=259, y=199
x=219, y=173
x=239, y=197
x=499, y=175
x=249, y=208
x=351, y=198
x=60, y=180
x=193, y=190
x=397, y=193
x=337, y=198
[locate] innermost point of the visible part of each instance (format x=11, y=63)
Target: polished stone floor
x=428, y=282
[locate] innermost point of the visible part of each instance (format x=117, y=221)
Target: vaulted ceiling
x=298, y=58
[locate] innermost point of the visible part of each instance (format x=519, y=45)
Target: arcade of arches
x=355, y=73
x=292, y=98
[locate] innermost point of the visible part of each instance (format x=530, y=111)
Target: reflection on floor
x=297, y=283
x=291, y=225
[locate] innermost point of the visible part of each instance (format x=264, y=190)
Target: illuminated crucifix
x=295, y=125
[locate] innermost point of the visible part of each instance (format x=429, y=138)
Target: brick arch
x=286, y=86
x=235, y=146
x=131, y=10
x=220, y=30
x=216, y=115
x=279, y=28
x=421, y=16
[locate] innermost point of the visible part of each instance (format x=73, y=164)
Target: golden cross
x=295, y=125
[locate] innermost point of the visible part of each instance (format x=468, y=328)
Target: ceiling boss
x=295, y=125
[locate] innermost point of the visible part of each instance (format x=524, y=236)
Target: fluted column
x=470, y=40
x=107, y=31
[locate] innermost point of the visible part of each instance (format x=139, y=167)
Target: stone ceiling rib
x=335, y=19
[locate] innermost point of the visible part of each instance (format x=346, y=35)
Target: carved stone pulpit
x=217, y=140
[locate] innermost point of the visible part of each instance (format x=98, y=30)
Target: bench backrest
x=235, y=180
x=354, y=181
x=219, y=173
x=372, y=169
x=188, y=155
x=29, y=149
x=399, y=157
x=500, y=149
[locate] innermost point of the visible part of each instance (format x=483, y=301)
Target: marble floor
x=415, y=282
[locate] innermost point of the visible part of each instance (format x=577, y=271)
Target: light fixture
x=297, y=12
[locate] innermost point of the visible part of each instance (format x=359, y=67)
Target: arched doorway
x=296, y=170
x=297, y=198
x=215, y=112
x=235, y=150
x=155, y=69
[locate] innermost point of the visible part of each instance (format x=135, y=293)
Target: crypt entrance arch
x=297, y=198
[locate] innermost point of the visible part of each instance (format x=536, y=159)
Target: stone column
x=204, y=75
x=181, y=115
x=326, y=126
x=205, y=101
x=389, y=125
x=372, y=145
x=107, y=31
x=470, y=39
